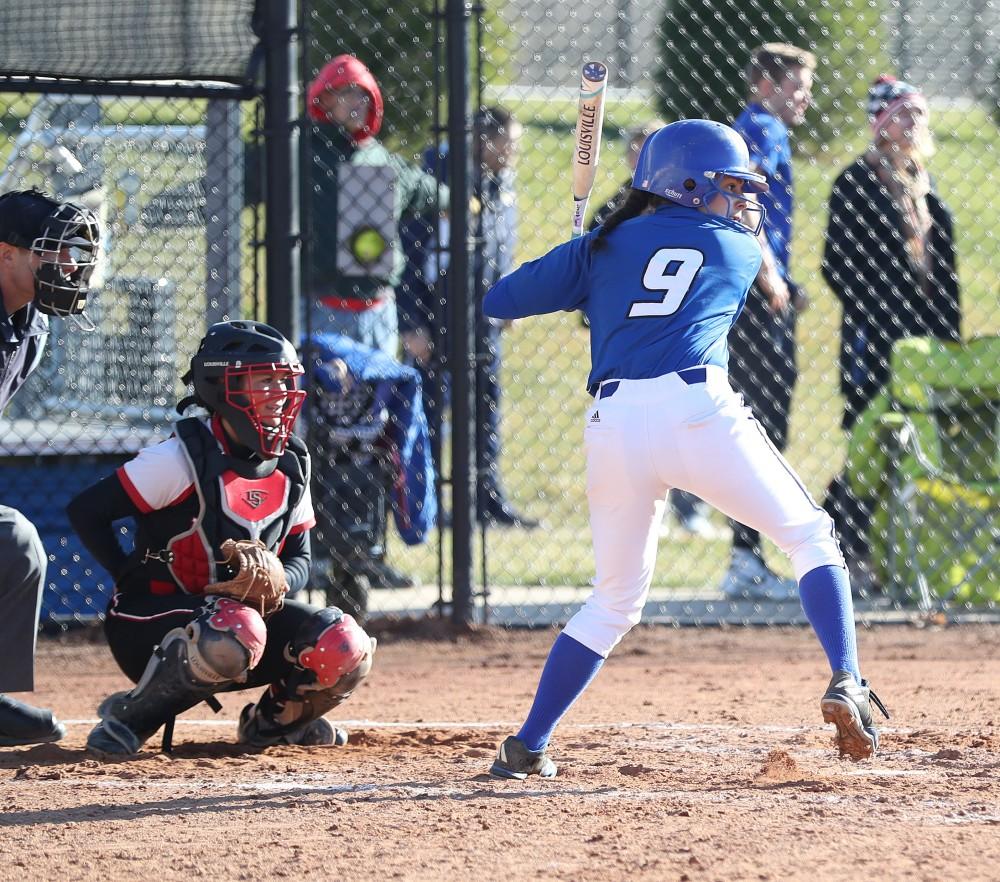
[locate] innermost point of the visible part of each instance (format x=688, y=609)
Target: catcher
x=222, y=512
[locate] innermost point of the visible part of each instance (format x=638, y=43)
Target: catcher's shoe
x=257, y=731
x=514, y=760
x=22, y=724
x=848, y=706
x=111, y=738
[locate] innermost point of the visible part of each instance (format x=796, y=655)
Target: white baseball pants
x=688, y=431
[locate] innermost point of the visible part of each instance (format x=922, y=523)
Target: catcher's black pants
x=137, y=623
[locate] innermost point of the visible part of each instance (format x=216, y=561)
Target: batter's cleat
x=254, y=730
x=848, y=706
x=748, y=578
x=23, y=724
x=514, y=760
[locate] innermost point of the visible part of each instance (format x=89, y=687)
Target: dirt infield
x=695, y=755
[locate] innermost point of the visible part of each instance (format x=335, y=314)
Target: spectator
x=762, y=364
x=374, y=436
x=686, y=507
x=360, y=191
x=495, y=227
x=890, y=260
x=48, y=251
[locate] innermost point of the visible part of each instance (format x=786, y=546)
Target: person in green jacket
x=360, y=191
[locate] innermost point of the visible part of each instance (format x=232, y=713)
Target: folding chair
x=927, y=453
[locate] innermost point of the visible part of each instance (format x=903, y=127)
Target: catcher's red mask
x=268, y=397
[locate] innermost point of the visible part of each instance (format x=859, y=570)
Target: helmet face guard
x=749, y=205
x=264, y=402
x=67, y=250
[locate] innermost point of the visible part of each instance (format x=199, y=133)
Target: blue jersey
x=771, y=153
x=661, y=295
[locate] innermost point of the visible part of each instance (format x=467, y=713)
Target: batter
x=661, y=283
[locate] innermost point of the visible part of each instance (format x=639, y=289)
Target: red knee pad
x=339, y=649
x=243, y=622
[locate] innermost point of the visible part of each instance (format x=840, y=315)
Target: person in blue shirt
x=422, y=299
x=762, y=345
x=662, y=282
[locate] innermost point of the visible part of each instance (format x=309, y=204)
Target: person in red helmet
x=360, y=192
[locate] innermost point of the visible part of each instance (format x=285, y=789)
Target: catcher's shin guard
x=194, y=662
x=331, y=655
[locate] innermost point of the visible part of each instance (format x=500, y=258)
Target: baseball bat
x=587, y=145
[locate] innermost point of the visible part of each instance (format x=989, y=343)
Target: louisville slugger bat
x=587, y=146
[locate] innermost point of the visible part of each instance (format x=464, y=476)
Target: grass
x=546, y=359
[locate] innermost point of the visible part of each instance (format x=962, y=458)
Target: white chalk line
x=507, y=724
x=750, y=749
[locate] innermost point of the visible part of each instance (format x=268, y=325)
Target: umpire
x=48, y=250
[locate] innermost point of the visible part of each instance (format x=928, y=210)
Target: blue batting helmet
x=684, y=161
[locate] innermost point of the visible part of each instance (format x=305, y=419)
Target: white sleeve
x=303, y=517
x=158, y=476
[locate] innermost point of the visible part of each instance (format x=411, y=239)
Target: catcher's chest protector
x=178, y=546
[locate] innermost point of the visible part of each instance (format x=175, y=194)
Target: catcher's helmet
x=247, y=373
x=66, y=238
x=685, y=160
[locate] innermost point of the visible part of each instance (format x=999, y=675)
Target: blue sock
x=568, y=671
x=826, y=600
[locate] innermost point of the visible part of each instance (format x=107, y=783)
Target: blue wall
x=76, y=587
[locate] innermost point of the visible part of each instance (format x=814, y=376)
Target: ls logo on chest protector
x=254, y=498
x=257, y=501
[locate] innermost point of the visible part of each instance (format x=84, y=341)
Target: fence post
x=281, y=123
x=460, y=311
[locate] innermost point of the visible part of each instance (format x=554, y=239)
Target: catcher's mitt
x=259, y=577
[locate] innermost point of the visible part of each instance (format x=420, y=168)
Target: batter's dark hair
x=635, y=204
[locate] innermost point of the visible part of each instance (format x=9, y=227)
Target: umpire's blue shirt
x=22, y=342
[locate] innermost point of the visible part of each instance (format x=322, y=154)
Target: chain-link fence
x=146, y=128
x=921, y=527
x=898, y=437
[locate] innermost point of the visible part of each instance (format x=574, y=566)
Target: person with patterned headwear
x=889, y=257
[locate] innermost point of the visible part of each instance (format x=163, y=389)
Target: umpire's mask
x=64, y=237
x=67, y=249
